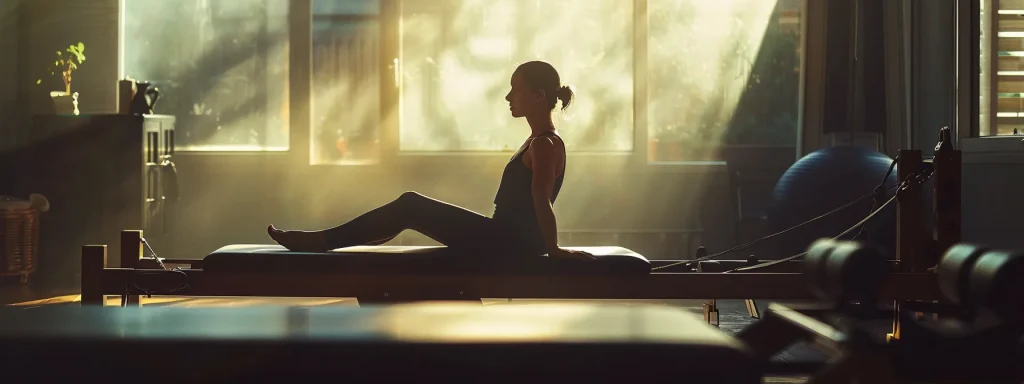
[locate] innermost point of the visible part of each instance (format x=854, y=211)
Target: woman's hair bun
x=565, y=94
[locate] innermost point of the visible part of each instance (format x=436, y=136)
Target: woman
x=524, y=218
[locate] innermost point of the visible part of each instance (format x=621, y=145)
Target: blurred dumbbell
x=954, y=271
x=845, y=270
x=975, y=278
x=997, y=283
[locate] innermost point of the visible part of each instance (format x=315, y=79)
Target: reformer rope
x=801, y=254
x=878, y=195
x=916, y=177
x=878, y=191
x=147, y=292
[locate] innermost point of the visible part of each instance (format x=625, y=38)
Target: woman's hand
x=563, y=253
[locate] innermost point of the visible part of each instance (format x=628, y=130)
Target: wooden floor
x=732, y=313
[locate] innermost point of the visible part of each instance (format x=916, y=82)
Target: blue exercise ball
x=825, y=180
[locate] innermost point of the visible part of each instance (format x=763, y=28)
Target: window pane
x=722, y=73
x=457, y=57
x=346, y=81
x=221, y=67
x=1002, y=69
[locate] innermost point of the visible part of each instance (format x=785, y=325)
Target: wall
x=932, y=71
x=10, y=69
x=992, y=191
x=31, y=32
x=56, y=24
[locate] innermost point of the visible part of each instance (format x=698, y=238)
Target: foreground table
x=445, y=341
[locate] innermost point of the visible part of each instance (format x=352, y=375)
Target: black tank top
x=513, y=204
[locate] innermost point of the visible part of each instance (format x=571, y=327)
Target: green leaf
x=81, y=46
x=40, y=81
x=58, y=53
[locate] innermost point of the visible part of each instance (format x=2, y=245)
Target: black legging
x=447, y=224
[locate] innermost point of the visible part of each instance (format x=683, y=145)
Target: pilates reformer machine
x=393, y=274
x=977, y=339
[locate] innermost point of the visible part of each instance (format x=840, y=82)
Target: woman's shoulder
x=547, y=138
x=546, y=142
x=546, y=148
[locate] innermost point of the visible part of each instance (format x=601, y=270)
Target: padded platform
x=417, y=260
x=451, y=343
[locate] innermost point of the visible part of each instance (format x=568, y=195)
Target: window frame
x=991, y=29
x=978, y=107
x=298, y=154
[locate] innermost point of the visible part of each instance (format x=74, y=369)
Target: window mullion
x=300, y=56
x=390, y=79
x=639, y=155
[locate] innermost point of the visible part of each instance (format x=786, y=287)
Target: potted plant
x=67, y=62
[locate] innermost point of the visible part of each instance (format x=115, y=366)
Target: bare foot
x=298, y=241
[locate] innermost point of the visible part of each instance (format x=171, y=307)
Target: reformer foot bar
x=375, y=275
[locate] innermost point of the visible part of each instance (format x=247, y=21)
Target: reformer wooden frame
x=910, y=281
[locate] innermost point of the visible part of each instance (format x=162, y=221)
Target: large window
x=721, y=73
x=1002, y=68
x=221, y=67
x=711, y=74
x=457, y=57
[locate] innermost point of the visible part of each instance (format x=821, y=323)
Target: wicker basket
x=19, y=242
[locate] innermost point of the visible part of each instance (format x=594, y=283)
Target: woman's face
x=521, y=99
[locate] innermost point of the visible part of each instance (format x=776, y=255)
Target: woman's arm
x=546, y=161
